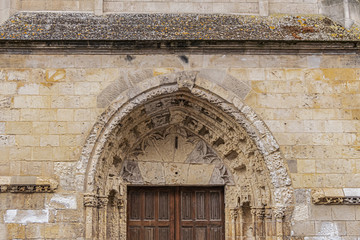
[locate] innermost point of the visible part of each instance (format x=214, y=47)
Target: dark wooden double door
x=175, y=213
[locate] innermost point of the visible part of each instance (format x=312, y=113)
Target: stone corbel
x=27, y=184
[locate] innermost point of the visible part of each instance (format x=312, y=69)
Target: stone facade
x=345, y=12
x=267, y=107
x=50, y=103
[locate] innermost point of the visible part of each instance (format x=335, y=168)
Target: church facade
x=227, y=120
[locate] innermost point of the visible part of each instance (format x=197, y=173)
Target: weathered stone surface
x=26, y=216
x=58, y=201
x=152, y=27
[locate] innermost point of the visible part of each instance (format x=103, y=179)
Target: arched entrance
x=177, y=132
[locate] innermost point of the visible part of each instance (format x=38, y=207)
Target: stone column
x=269, y=232
x=260, y=224
x=102, y=206
x=240, y=224
x=253, y=215
x=279, y=218
x=90, y=204
x=234, y=217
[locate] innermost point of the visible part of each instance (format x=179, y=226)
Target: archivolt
x=199, y=108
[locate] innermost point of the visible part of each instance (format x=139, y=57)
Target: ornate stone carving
x=203, y=154
x=90, y=200
x=351, y=200
x=131, y=172
x=27, y=188
x=221, y=175
x=279, y=213
x=102, y=201
x=229, y=131
x=234, y=213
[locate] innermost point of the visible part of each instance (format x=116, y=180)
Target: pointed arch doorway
x=177, y=133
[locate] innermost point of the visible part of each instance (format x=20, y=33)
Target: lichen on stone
x=87, y=26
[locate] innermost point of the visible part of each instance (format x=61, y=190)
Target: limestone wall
x=49, y=103
x=254, y=7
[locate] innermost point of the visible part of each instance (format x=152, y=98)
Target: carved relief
x=23, y=188
x=130, y=172
x=203, y=154
x=218, y=133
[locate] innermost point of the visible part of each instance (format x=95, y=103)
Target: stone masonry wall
x=255, y=7
x=48, y=104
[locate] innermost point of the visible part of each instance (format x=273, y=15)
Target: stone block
x=40, y=127
x=42, y=153
x=152, y=172
x=29, y=114
x=335, y=166
x=330, y=229
x=3, y=231
x=35, y=231
x=351, y=192
x=329, y=180
x=7, y=140
x=197, y=172
x=8, y=88
x=26, y=216
x=29, y=89
x=47, y=115
x=18, y=127
x=318, y=212
x=58, y=128
x=49, y=140
x=343, y=212
x=306, y=166
x=65, y=115
x=15, y=231
x=301, y=212
x=61, y=201
x=27, y=140
x=353, y=228
x=303, y=228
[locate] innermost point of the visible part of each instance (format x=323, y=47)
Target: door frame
x=176, y=191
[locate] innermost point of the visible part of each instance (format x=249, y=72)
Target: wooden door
x=175, y=213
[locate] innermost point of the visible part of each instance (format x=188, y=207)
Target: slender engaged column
x=102, y=205
x=269, y=232
x=279, y=218
x=90, y=204
x=260, y=224
x=234, y=216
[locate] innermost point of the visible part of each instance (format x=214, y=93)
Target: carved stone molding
x=279, y=213
x=27, y=184
x=95, y=201
x=322, y=197
x=326, y=200
x=90, y=201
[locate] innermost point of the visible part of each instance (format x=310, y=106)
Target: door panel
x=175, y=213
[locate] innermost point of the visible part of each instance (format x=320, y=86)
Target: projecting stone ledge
x=86, y=26
x=336, y=196
x=27, y=184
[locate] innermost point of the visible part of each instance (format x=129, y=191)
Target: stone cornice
x=176, y=47
x=171, y=26
x=334, y=196
x=27, y=184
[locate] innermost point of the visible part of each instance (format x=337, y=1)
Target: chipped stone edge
x=27, y=184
